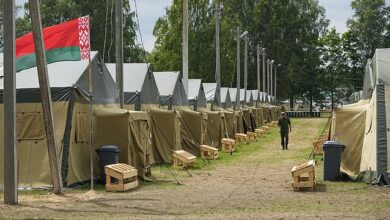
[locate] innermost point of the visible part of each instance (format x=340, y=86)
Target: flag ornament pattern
x=63, y=42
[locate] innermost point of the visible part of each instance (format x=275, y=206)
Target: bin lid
x=333, y=144
x=109, y=148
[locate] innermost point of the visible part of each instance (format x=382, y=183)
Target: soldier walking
x=284, y=128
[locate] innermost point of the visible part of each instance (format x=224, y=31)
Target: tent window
x=29, y=126
x=81, y=129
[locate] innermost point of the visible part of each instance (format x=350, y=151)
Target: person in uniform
x=284, y=128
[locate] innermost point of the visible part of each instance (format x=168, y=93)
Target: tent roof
x=255, y=94
x=381, y=66
x=210, y=90
x=224, y=93
x=61, y=74
x=166, y=82
x=134, y=75
x=193, y=88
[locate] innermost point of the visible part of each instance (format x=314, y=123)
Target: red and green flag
x=62, y=42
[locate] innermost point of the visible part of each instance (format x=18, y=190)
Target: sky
x=337, y=11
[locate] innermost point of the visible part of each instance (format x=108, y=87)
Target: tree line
x=316, y=61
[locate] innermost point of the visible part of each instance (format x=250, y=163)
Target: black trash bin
x=108, y=154
x=332, y=160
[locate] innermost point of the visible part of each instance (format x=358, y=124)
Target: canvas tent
x=128, y=130
x=255, y=97
x=69, y=88
x=363, y=126
x=139, y=85
x=171, y=90
x=226, y=101
x=196, y=95
x=233, y=94
x=165, y=132
x=213, y=95
x=249, y=98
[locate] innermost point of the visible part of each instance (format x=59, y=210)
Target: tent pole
x=90, y=108
x=9, y=96
x=44, y=85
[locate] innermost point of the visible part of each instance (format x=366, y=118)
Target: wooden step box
x=182, y=159
x=124, y=175
x=304, y=176
x=228, y=145
x=208, y=152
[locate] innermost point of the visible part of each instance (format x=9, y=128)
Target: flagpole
x=90, y=88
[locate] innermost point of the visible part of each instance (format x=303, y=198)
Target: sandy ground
x=255, y=186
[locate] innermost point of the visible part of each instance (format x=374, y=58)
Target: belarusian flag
x=66, y=41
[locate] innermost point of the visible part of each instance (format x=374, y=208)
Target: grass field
x=253, y=183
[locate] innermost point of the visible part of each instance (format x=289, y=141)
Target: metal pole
x=185, y=46
x=268, y=76
x=275, y=79
x=246, y=67
x=9, y=99
x=217, y=47
x=258, y=67
x=119, y=49
x=45, y=96
x=263, y=56
x=271, y=82
x=238, y=69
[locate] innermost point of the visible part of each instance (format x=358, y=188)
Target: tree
x=368, y=29
x=102, y=23
x=335, y=76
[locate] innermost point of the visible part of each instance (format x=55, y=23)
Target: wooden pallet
x=228, y=145
x=304, y=176
x=259, y=132
x=252, y=136
x=241, y=138
x=208, y=152
x=182, y=159
x=124, y=175
x=265, y=129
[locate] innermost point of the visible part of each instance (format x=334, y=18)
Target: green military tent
x=69, y=92
x=196, y=95
x=171, y=90
x=139, y=85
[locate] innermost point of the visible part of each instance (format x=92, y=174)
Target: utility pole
x=263, y=56
x=45, y=95
x=119, y=49
x=217, y=14
x=238, y=69
x=258, y=66
x=246, y=67
x=185, y=46
x=217, y=48
x=268, y=62
x=271, y=82
x=238, y=39
x=9, y=99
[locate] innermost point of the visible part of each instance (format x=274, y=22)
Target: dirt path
x=255, y=185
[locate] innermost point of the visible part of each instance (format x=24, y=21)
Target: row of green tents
x=155, y=120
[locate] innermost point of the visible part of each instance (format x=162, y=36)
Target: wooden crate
x=228, y=145
x=124, y=175
x=304, y=176
x=241, y=138
x=259, y=132
x=252, y=136
x=208, y=152
x=265, y=129
x=182, y=159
